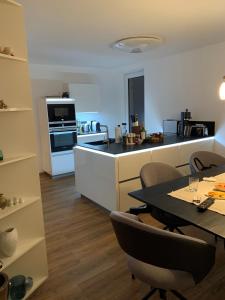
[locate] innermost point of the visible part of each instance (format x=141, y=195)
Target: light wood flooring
x=85, y=261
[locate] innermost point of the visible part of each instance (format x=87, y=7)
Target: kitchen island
x=106, y=173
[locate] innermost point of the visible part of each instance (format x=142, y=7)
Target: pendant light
x=222, y=90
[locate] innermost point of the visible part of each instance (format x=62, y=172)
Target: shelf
x=15, y=159
x=10, y=210
x=23, y=247
x=12, y=57
x=13, y=109
x=11, y=2
x=37, y=283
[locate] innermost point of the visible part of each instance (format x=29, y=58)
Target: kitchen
x=183, y=71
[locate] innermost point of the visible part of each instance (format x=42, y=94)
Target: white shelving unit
x=10, y=57
x=15, y=109
x=18, y=170
x=15, y=159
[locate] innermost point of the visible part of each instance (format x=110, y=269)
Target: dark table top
x=157, y=196
x=121, y=148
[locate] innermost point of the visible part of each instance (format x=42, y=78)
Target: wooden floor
x=85, y=261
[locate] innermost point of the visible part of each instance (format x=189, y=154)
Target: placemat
x=203, y=188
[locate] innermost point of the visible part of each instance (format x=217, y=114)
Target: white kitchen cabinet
x=168, y=155
x=129, y=166
x=87, y=97
x=125, y=201
x=62, y=162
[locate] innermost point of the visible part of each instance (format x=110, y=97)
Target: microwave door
x=61, y=112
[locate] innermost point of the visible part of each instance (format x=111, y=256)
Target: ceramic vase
x=8, y=241
x=4, y=283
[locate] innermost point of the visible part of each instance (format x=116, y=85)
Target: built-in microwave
x=61, y=110
x=63, y=140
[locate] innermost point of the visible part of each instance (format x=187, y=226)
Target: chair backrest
x=156, y=172
x=162, y=248
x=202, y=160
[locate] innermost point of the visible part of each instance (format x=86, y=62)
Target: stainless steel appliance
x=62, y=139
x=61, y=112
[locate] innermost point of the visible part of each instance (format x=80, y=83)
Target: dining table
x=161, y=196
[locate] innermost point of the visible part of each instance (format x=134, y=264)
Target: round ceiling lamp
x=137, y=44
x=222, y=89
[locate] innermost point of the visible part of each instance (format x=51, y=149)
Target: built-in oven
x=63, y=140
x=62, y=110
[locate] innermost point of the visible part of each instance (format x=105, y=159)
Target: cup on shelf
x=193, y=184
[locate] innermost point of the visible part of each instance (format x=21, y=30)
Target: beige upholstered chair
x=152, y=255
x=155, y=173
x=203, y=160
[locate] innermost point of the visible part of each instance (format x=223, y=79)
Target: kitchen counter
x=106, y=175
x=116, y=149
x=90, y=133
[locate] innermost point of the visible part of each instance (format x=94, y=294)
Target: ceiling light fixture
x=222, y=90
x=137, y=44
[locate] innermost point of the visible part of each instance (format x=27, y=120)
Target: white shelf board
x=23, y=247
x=11, y=2
x=37, y=283
x=4, y=56
x=10, y=210
x=15, y=159
x=13, y=109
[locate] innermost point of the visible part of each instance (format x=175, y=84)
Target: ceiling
x=80, y=32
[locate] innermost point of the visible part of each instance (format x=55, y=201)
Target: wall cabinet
x=87, y=97
x=18, y=170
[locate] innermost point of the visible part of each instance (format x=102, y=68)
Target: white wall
x=54, y=80
x=186, y=80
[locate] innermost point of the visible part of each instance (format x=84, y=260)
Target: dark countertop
x=120, y=148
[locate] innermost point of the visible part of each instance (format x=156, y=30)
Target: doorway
x=135, y=85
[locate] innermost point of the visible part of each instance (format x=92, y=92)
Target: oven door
x=63, y=141
x=61, y=112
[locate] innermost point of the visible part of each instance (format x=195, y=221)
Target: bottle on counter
x=118, y=134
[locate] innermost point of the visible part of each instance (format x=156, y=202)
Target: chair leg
x=178, y=295
x=162, y=294
x=150, y=293
x=177, y=229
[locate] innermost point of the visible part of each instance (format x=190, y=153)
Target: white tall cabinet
x=18, y=170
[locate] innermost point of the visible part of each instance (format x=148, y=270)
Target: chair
x=203, y=160
x=155, y=173
x=164, y=260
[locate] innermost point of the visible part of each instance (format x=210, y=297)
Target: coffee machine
x=183, y=127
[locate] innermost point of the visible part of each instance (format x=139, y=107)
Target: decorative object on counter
x=130, y=139
x=18, y=286
x=65, y=95
x=134, y=120
x=7, y=51
x=4, y=286
x=118, y=134
x=8, y=241
x=143, y=133
x=3, y=105
x=1, y=155
x=222, y=90
x=155, y=138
